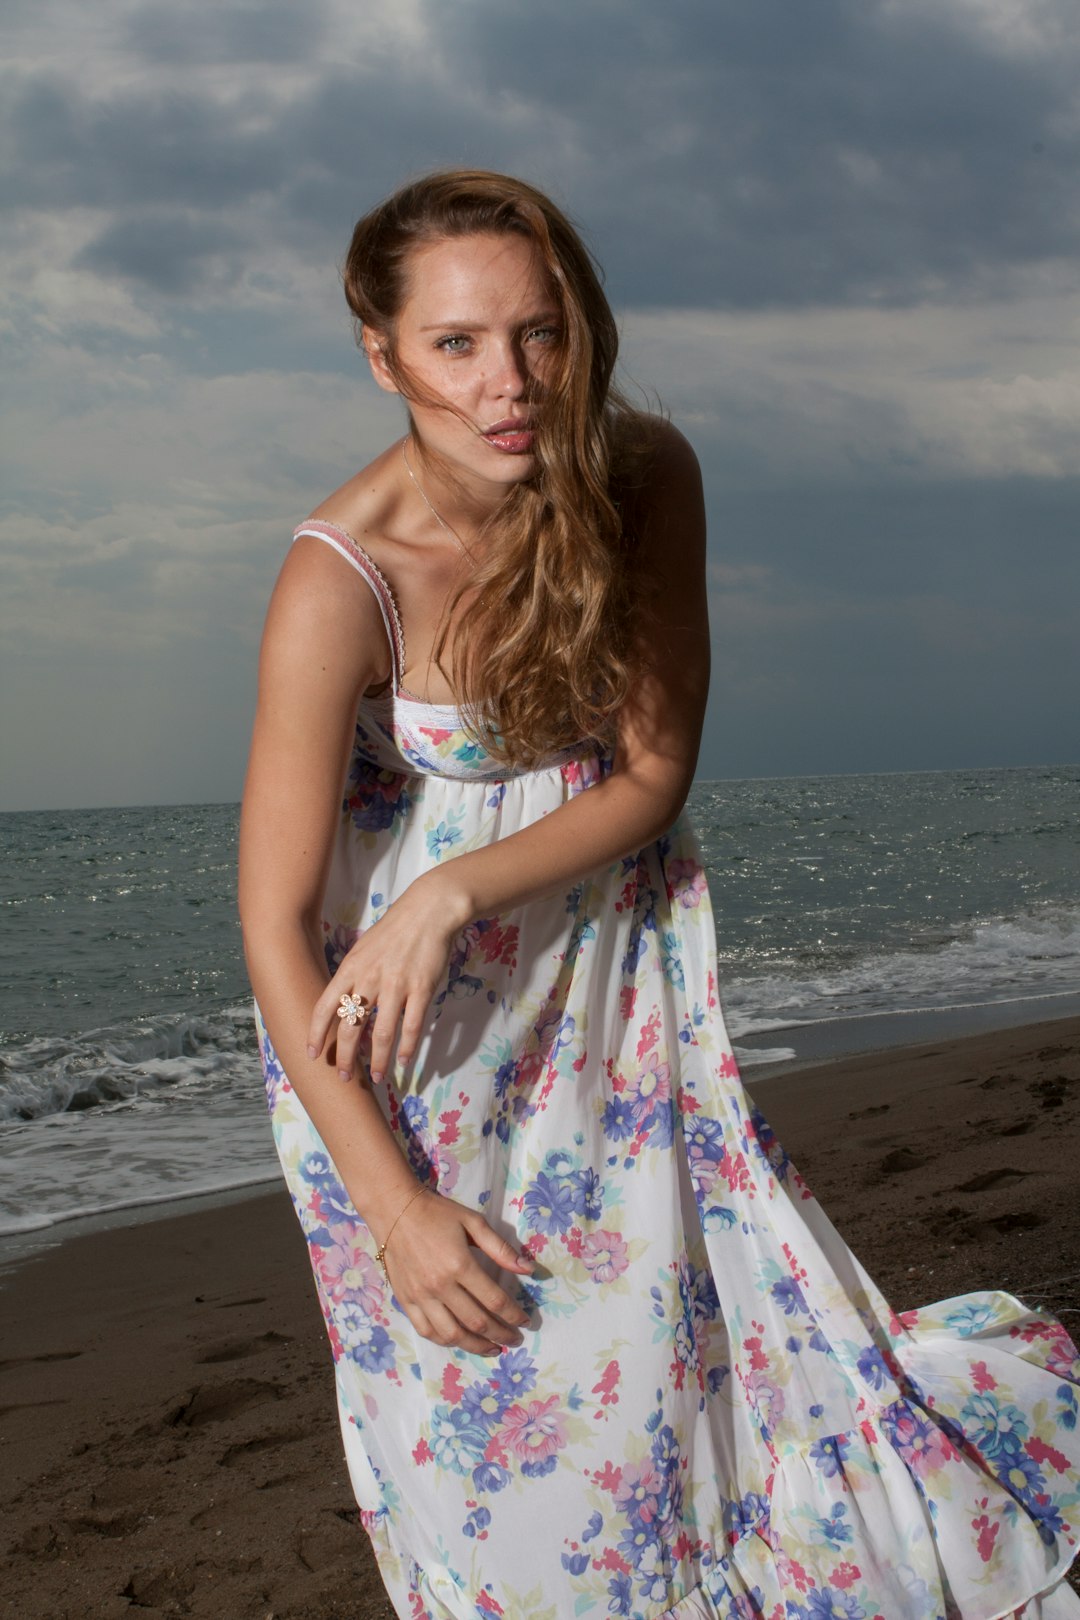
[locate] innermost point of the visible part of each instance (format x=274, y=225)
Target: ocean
x=852, y=912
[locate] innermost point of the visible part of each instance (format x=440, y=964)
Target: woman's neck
x=464, y=506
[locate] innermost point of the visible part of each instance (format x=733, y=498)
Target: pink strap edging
x=365, y=564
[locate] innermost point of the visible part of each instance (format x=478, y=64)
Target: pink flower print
x=348, y=1272
x=768, y=1397
x=534, y=1432
x=638, y=1492
x=445, y=1167
x=651, y=1085
x=923, y=1446
x=686, y=883
x=604, y=1256
x=1061, y=1353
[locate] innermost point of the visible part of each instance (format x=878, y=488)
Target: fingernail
x=313, y=1052
x=344, y=1074
x=376, y=1077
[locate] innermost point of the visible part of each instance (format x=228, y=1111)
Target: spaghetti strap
x=365, y=564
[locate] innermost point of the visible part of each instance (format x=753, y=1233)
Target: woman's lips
x=514, y=439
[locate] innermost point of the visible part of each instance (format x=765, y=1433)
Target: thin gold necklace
x=436, y=514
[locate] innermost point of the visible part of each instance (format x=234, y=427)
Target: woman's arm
x=322, y=646
x=656, y=753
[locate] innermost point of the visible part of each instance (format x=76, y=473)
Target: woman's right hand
x=444, y=1291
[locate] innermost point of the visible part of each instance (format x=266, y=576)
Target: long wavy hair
x=547, y=648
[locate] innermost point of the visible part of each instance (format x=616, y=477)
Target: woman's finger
x=391, y=1002
x=503, y=1253
x=324, y=1017
x=448, y=1331
x=474, y=1318
x=348, y=1044
x=412, y=1024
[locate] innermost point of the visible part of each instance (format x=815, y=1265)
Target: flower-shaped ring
x=353, y=1009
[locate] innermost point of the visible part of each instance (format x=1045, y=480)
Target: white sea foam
x=996, y=960
x=845, y=898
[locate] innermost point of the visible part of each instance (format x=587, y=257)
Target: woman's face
x=480, y=329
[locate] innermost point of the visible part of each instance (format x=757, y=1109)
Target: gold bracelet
x=381, y=1250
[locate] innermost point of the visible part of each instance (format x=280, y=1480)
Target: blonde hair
x=546, y=650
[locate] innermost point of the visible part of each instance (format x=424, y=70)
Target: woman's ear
x=375, y=349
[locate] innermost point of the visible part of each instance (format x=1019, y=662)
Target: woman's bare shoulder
x=364, y=506
x=664, y=448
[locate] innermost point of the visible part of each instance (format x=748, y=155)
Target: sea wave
x=988, y=962
x=127, y=1065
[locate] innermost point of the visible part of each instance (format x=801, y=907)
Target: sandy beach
x=169, y=1442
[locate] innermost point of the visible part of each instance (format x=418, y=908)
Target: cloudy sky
x=843, y=239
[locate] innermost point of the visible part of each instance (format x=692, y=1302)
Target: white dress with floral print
x=714, y=1411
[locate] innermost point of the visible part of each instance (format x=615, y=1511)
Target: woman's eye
x=543, y=334
x=453, y=343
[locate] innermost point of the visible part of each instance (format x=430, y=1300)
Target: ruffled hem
x=1057, y=1602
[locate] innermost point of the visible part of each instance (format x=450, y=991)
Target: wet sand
x=168, y=1438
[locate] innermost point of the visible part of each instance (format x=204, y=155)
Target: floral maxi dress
x=714, y=1411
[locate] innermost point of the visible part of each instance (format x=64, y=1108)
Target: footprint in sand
x=1021, y=1128
x=240, y=1349
x=1016, y=1220
x=234, y=1455
x=33, y=1361
x=864, y=1113
x=992, y=1178
x=215, y=1403
x=1051, y=1093
x=899, y=1159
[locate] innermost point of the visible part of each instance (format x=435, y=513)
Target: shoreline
x=169, y=1431
x=820, y=1044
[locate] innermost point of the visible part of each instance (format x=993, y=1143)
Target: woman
x=598, y=1350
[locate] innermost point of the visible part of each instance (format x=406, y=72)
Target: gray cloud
x=843, y=238
x=207, y=33
x=167, y=250
x=720, y=154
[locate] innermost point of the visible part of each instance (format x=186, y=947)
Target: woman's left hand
x=395, y=965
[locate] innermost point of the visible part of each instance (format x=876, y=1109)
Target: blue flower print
x=549, y=1205
x=456, y=1443
x=670, y=961
x=618, y=1118
x=478, y=1520
x=830, y=1454
x=827, y=1603
x=835, y=1531
x=871, y=1366
x=485, y=1403
x=542, y=1466
x=442, y=838
x=588, y=1194
x=789, y=1296
x=742, y=1516
x=704, y=1137
x=316, y=1168
x=364, y=1341
x=1023, y=1474
x=515, y=1373
x=490, y=1477
x=968, y=1320
x=621, y=1594
x=1001, y=1429
x=636, y=1540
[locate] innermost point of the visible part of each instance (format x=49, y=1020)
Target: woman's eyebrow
x=480, y=326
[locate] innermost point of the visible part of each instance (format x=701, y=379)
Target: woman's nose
x=510, y=374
